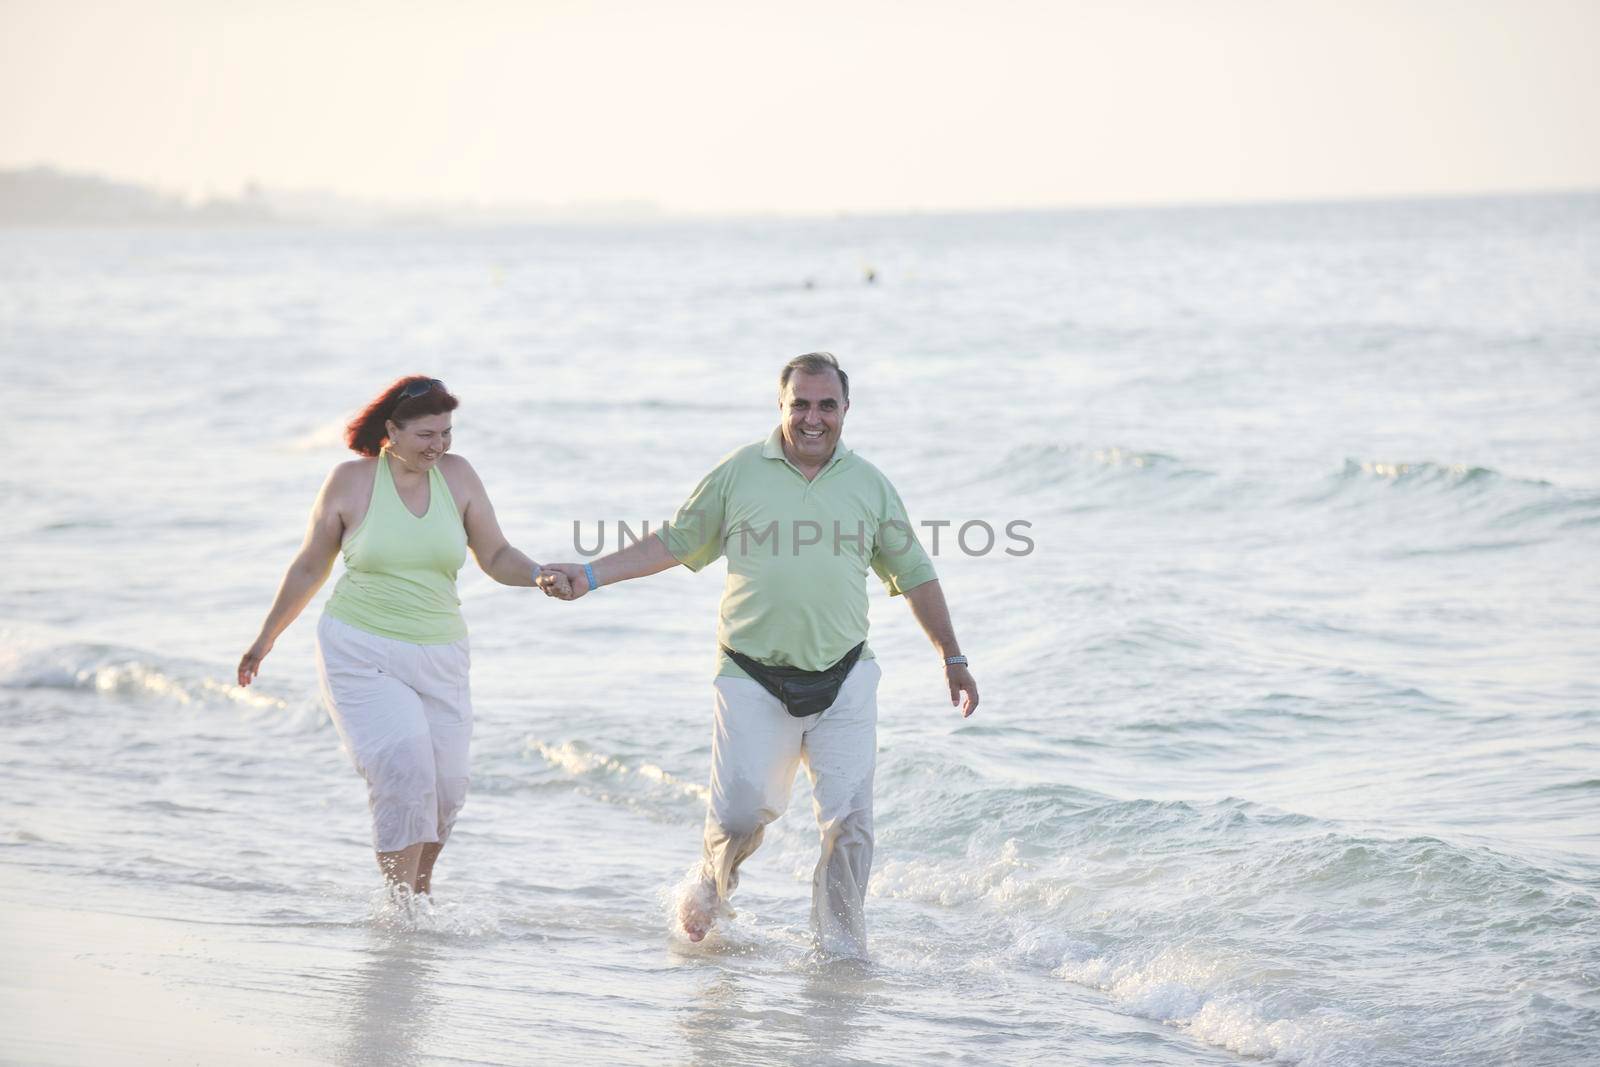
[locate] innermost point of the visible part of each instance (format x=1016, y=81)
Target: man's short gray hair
x=815, y=363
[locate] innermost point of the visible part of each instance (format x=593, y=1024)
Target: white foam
x=1121, y=457
x=581, y=763
x=1240, y=1027
x=1183, y=987
x=142, y=680
x=656, y=774
x=671, y=899
x=398, y=909
x=575, y=761
x=1007, y=881
x=1396, y=471
x=111, y=673
x=1186, y=989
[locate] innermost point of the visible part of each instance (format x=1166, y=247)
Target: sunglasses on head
x=422, y=388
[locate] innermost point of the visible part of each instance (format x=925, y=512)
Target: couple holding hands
x=799, y=516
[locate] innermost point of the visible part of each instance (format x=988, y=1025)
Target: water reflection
x=834, y=994
x=392, y=1002
x=818, y=1015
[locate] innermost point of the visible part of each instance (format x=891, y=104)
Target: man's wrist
x=588, y=572
x=955, y=661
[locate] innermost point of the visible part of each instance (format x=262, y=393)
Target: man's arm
x=644, y=557
x=927, y=604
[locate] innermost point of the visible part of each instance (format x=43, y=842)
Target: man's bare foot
x=696, y=914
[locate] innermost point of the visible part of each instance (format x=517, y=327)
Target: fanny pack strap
x=802, y=693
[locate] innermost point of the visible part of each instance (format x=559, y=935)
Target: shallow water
x=1290, y=739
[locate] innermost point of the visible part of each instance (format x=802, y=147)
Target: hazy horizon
x=320, y=206
x=716, y=108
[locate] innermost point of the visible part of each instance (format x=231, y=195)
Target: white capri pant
x=755, y=749
x=404, y=713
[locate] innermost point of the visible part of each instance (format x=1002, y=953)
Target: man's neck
x=807, y=471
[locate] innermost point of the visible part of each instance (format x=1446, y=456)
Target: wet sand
x=87, y=987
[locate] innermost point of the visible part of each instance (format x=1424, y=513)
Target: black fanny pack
x=802, y=692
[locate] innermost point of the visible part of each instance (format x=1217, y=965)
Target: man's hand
x=927, y=604
x=564, y=581
x=961, y=682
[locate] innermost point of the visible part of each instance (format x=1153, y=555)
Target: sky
x=707, y=106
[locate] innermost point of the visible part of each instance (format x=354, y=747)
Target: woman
x=392, y=648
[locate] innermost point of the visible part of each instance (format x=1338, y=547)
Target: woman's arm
x=304, y=576
x=498, y=558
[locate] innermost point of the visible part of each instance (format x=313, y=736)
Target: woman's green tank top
x=400, y=570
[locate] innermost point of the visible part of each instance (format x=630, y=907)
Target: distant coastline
x=48, y=197
x=45, y=196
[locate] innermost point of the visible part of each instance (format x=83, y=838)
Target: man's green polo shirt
x=798, y=552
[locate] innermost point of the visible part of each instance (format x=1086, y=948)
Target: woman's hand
x=564, y=581
x=250, y=662
x=555, y=583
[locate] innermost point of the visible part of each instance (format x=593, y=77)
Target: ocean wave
x=1145, y=638
x=1199, y=824
x=1567, y=510
x=1104, y=474
x=1203, y=995
x=1085, y=477
x=1460, y=478
x=1076, y=916
x=1002, y=879
x=1157, y=904
x=1582, y=785
x=134, y=675
x=937, y=803
x=1416, y=475
x=124, y=672
x=1054, y=845
x=639, y=781
x=1363, y=482
x=1440, y=493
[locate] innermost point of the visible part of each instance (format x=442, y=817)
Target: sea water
x=1289, y=745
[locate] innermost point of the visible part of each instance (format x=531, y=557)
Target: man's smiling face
x=813, y=407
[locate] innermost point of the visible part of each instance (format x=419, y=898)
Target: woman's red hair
x=367, y=433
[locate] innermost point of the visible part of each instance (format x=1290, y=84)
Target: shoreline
x=94, y=987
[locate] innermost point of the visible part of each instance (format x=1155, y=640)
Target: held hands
x=962, y=683
x=564, y=581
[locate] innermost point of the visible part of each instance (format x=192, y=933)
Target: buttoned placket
x=811, y=483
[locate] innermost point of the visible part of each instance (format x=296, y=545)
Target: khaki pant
x=755, y=749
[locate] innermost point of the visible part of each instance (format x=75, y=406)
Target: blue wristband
x=588, y=572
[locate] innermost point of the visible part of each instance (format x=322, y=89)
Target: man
x=800, y=518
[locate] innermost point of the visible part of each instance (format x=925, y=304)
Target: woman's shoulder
x=456, y=470
x=352, y=475
x=360, y=467
x=458, y=474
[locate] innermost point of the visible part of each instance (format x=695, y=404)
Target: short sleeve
x=897, y=556
x=694, y=537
